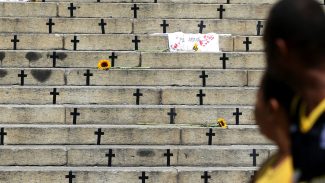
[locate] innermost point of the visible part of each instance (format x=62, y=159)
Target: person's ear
x=282, y=47
x=274, y=105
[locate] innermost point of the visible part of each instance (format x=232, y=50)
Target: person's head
x=272, y=109
x=294, y=39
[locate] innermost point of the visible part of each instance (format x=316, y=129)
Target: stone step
x=114, y=42
x=220, y=26
x=124, y=26
x=143, y=10
x=125, y=115
x=134, y=156
x=89, y=59
x=163, y=10
x=28, y=9
x=63, y=58
x=146, y=10
x=122, y=95
x=65, y=25
x=130, y=135
x=174, y=1
x=180, y=1
x=227, y=60
x=130, y=77
x=126, y=175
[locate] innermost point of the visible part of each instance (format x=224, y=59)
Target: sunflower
x=222, y=123
x=104, y=65
x=196, y=47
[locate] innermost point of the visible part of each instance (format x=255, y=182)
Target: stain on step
x=41, y=75
x=33, y=56
x=145, y=153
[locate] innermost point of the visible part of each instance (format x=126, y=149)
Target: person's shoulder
x=269, y=174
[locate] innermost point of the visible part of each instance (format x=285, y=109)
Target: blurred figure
x=295, y=49
x=271, y=115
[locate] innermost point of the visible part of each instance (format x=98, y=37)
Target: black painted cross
x=254, y=155
x=71, y=8
x=15, y=41
x=172, y=115
x=143, y=177
x=136, y=42
x=210, y=134
x=54, y=93
x=206, y=177
x=70, y=177
x=164, y=25
x=22, y=76
x=138, y=95
x=88, y=74
x=259, y=26
x=204, y=76
x=221, y=10
x=75, y=113
x=237, y=114
x=110, y=155
x=201, y=26
x=247, y=42
x=99, y=134
x=102, y=25
x=135, y=8
x=113, y=57
x=201, y=95
x=75, y=41
x=224, y=58
x=2, y=136
x=168, y=155
x=50, y=24
x=54, y=56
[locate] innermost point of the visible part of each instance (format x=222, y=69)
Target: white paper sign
x=179, y=41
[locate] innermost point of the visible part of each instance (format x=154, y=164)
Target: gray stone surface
x=117, y=95
x=32, y=41
x=255, y=77
x=220, y=96
x=125, y=135
x=203, y=156
x=166, y=10
x=29, y=156
x=233, y=135
x=154, y=77
x=34, y=77
x=64, y=25
x=220, y=26
x=202, y=60
x=125, y=115
x=19, y=114
x=27, y=9
x=87, y=59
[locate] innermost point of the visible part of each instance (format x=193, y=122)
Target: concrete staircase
x=150, y=119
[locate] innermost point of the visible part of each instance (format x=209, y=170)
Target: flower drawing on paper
x=222, y=123
x=104, y=65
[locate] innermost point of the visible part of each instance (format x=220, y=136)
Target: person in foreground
x=294, y=40
x=271, y=116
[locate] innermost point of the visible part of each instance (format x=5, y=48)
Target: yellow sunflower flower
x=104, y=65
x=222, y=123
x=196, y=47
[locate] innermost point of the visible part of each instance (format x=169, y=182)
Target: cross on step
x=206, y=177
x=164, y=25
x=22, y=76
